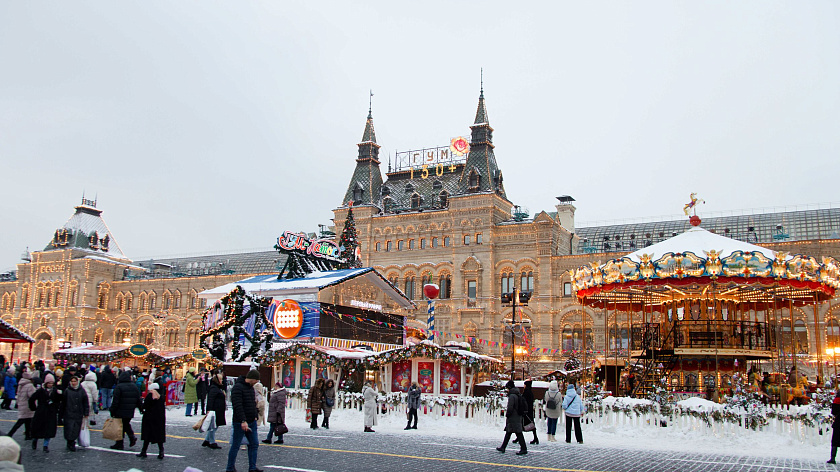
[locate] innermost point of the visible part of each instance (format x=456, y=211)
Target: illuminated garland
x=307, y=351
x=428, y=351
x=234, y=319
x=79, y=358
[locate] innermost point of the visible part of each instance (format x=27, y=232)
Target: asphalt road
x=344, y=451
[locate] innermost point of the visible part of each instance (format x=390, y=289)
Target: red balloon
x=431, y=291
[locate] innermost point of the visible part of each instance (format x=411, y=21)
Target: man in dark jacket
x=244, y=423
x=201, y=389
x=513, y=421
x=107, y=382
x=126, y=400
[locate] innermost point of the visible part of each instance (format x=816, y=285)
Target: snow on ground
x=748, y=443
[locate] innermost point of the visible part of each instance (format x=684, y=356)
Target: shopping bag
x=308, y=415
x=198, y=424
x=209, y=422
x=113, y=429
x=282, y=429
x=84, y=437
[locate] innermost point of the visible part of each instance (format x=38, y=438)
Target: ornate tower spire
x=366, y=183
x=481, y=173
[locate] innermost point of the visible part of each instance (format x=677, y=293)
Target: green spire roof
x=481, y=112
x=370, y=135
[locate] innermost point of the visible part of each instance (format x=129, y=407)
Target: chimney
x=566, y=212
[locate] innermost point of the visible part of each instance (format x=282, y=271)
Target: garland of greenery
x=232, y=327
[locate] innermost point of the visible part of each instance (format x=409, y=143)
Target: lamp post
x=833, y=352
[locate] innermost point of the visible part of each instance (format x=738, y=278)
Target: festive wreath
x=238, y=308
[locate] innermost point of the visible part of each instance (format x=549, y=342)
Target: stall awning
x=10, y=334
x=91, y=353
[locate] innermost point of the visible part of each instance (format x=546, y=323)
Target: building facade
x=438, y=215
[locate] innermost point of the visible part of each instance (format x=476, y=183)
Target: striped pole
x=431, y=320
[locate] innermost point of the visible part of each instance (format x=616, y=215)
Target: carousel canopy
x=10, y=334
x=701, y=265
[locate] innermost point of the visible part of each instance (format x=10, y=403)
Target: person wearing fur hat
x=513, y=419
x=45, y=403
x=76, y=408
x=9, y=455
x=153, y=427
x=25, y=390
x=276, y=412
x=315, y=401
x=92, y=393
x=190, y=395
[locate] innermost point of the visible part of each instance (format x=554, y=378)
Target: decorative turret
x=481, y=173
x=366, y=184
x=86, y=230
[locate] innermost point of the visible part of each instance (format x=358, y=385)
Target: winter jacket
x=316, y=398
x=7, y=466
x=10, y=384
x=553, y=393
x=369, y=395
x=74, y=408
x=90, y=388
x=835, y=411
x=153, y=426
x=243, y=401
x=513, y=421
x=126, y=397
x=190, y=382
x=328, y=393
x=414, y=397
x=216, y=402
x=25, y=390
x=277, y=406
x=107, y=379
x=201, y=387
x=45, y=403
x=572, y=403
x=528, y=395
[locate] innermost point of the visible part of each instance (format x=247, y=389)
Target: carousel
x=702, y=307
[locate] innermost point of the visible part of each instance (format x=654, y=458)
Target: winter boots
x=551, y=438
x=368, y=429
x=326, y=423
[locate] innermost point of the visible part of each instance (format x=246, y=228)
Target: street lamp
x=833, y=352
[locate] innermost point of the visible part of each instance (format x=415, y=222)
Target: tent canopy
x=10, y=334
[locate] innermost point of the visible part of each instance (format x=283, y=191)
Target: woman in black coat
x=528, y=394
x=45, y=402
x=75, y=408
x=153, y=428
x=216, y=402
x=835, y=435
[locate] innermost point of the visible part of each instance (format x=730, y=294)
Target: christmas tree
x=349, y=242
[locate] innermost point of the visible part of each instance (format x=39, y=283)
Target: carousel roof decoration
x=698, y=264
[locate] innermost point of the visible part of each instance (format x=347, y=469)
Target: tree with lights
x=349, y=241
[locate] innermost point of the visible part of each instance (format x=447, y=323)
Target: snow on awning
x=91, y=353
x=10, y=334
x=333, y=356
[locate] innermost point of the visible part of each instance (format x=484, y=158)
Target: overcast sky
x=213, y=126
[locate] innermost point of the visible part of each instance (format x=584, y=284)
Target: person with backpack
x=553, y=398
x=573, y=405
x=516, y=409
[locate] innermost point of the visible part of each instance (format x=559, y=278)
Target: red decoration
x=694, y=220
x=431, y=291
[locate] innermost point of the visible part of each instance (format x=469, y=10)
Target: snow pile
x=699, y=405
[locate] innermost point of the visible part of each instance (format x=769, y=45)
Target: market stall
x=92, y=354
x=11, y=335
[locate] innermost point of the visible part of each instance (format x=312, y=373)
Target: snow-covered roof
x=270, y=285
x=337, y=352
x=697, y=240
x=85, y=221
x=92, y=350
x=10, y=334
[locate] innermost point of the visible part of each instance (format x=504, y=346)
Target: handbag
x=281, y=429
x=308, y=415
x=198, y=424
x=113, y=429
x=84, y=436
x=527, y=424
x=330, y=402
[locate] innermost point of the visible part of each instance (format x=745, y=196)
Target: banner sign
x=319, y=248
x=292, y=319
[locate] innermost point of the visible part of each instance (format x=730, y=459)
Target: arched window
x=445, y=286
x=567, y=339
x=120, y=302
x=24, y=297
x=526, y=281
x=378, y=246
x=443, y=199
x=507, y=281
x=393, y=279
x=146, y=335
x=475, y=180
x=128, y=299
x=426, y=279
x=102, y=298
x=122, y=334
x=171, y=335
x=193, y=338
x=176, y=299
x=97, y=336
x=415, y=202
x=358, y=193
x=143, y=300
x=409, y=287
x=389, y=245
x=388, y=203
x=166, y=300
x=152, y=301
x=73, y=296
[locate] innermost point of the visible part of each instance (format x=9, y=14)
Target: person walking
x=25, y=390
x=369, y=395
x=316, y=398
x=329, y=402
x=107, y=382
x=553, y=399
x=516, y=408
x=835, y=434
x=190, y=395
x=126, y=400
x=259, y=393
x=153, y=426
x=244, y=404
x=528, y=395
x=413, y=401
x=76, y=408
x=573, y=406
x=276, y=413
x=93, y=394
x=216, y=402
x=45, y=402
x=9, y=387
x=201, y=389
